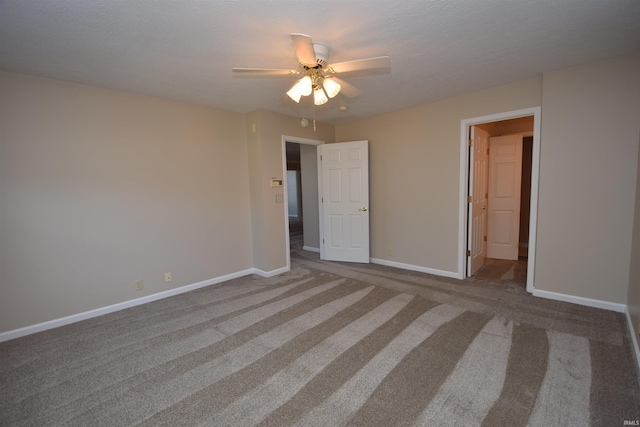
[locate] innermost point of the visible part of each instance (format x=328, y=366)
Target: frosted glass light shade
x=301, y=88
x=319, y=97
x=331, y=87
x=294, y=93
x=304, y=86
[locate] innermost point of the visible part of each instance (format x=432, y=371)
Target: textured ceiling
x=185, y=49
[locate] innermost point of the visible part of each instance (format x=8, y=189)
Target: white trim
x=39, y=327
x=596, y=303
x=634, y=338
x=311, y=249
x=533, y=203
x=320, y=204
x=427, y=270
x=463, y=208
x=535, y=173
x=297, y=140
x=271, y=273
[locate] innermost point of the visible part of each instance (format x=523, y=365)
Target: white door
x=505, y=176
x=345, y=201
x=478, y=176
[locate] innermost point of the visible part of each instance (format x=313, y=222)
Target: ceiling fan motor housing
x=322, y=54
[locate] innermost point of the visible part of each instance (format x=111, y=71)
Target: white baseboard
x=415, y=268
x=32, y=329
x=271, y=273
x=606, y=305
x=634, y=339
x=311, y=249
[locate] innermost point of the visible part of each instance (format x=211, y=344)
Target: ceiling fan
x=319, y=77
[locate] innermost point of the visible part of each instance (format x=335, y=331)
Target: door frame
x=296, y=140
x=463, y=229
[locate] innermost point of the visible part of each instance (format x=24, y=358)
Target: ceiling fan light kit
x=316, y=82
x=318, y=74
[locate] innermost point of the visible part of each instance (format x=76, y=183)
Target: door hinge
x=323, y=241
x=469, y=199
x=468, y=252
x=322, y=200
x=487, y=151
x=471, y=143
x=320, y=157
x=486, y=196
x=485, y=238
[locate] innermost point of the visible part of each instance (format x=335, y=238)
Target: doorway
x=300, y=172
x=295, y=197
x=514, y=122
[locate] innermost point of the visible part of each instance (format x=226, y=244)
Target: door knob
x=363, y=209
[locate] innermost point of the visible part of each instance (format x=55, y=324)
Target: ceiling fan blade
x=267, y=71
x=346, y=89
x=303, y=46
x=360, y=64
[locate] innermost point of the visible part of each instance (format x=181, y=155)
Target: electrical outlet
x=167, y=277
x=138, y=285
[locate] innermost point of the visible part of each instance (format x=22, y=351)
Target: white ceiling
x=185, y=49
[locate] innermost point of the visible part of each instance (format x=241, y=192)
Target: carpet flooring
x=331, y=344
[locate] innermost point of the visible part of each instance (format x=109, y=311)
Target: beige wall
x=633, y=294
x=254, y=149
x=265, y=158
x=415, y=172
x=100, y=188
x=588, y=170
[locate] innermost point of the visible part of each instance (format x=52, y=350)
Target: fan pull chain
x=314, y=117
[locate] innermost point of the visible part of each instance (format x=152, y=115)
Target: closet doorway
x=500, y=158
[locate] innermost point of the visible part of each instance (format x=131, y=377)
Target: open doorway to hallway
x=300, y=171
x=295, y=196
